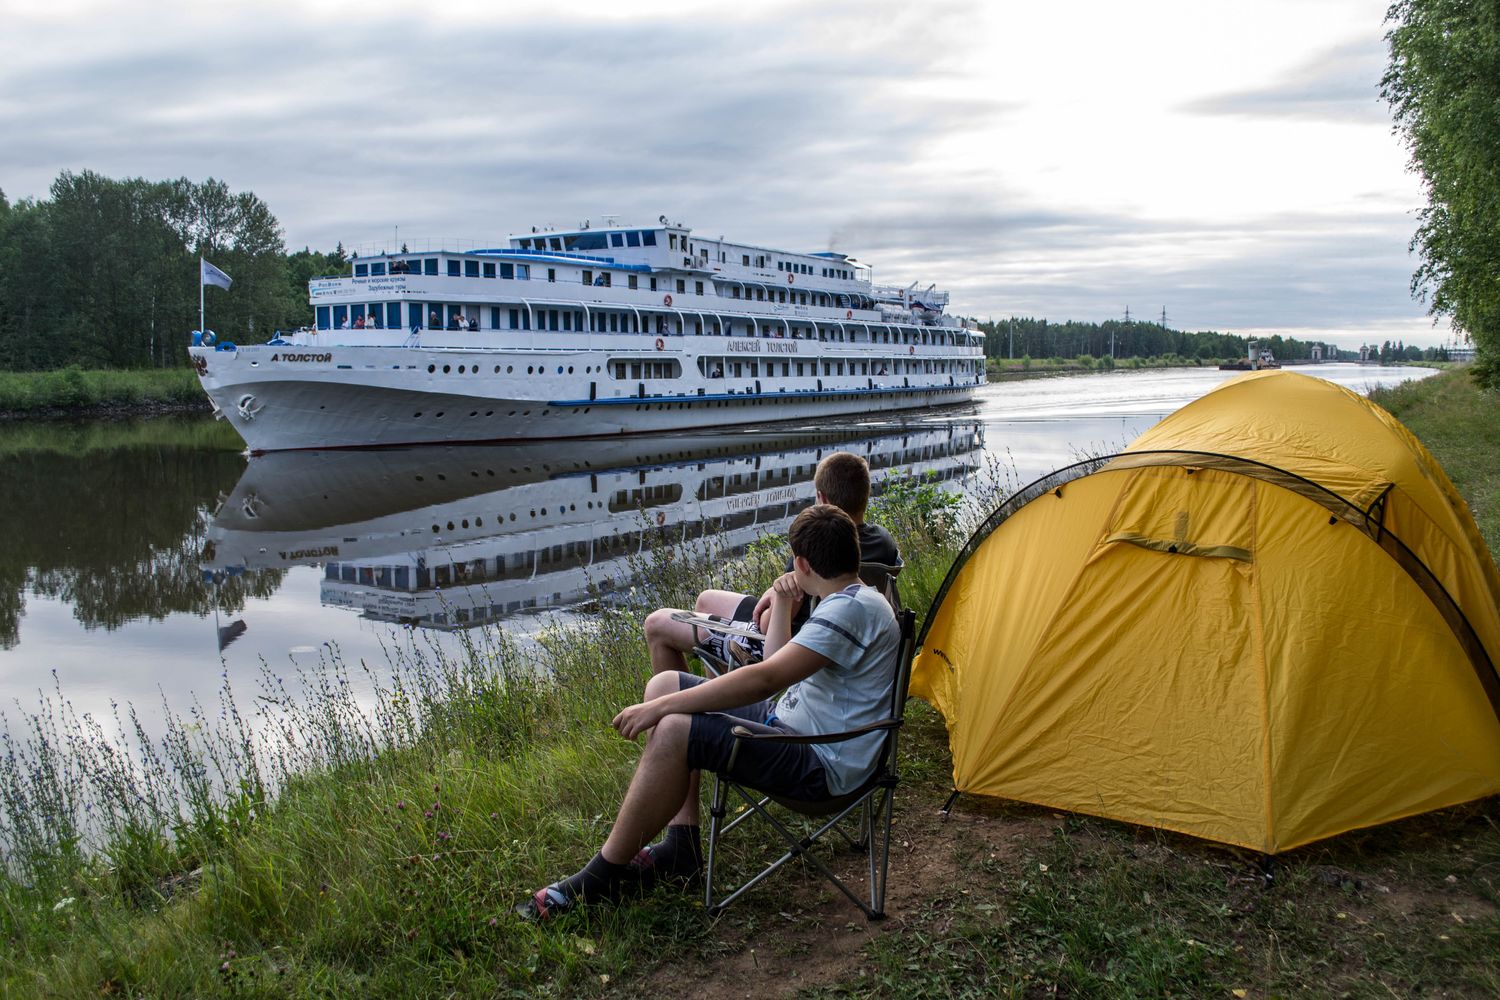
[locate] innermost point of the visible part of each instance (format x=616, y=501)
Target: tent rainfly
x=1269, y=620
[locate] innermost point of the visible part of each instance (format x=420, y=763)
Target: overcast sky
x=1227, y=160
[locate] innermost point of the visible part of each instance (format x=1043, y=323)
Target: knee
x=657, y=624
x=662, y=684
x=671, y=734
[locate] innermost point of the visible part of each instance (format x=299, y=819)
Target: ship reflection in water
x=458, y=536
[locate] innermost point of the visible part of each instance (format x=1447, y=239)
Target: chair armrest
x=741, y=733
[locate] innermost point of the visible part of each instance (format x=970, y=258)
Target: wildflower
x=400, y=803
x=494, y=921
x=427, y=814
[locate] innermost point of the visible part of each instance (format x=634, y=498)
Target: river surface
x=145, y=562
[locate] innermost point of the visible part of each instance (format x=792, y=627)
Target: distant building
x=1460, y=354
x=1317, y=352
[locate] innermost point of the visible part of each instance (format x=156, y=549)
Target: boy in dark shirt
x=843, y=480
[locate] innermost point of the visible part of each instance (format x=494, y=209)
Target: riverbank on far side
x=103, y=394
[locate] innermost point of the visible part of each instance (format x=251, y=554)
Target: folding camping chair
x=875, y=798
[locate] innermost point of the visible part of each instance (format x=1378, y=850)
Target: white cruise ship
x=455, y=537
x=599, y=330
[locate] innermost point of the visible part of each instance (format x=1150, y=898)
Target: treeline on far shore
x=103, y=273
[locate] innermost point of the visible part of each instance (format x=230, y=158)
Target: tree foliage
x=104, y=272
x=1443, y=84
x=1029, y=337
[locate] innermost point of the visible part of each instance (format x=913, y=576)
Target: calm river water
x=143, y=560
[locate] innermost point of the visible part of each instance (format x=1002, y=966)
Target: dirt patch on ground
x=802, y=933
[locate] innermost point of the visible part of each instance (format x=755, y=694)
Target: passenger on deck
x=433, y=322
x=453, y=322
x=473, y=324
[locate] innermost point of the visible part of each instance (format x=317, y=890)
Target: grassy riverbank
x=377, y=840
x=75, y=390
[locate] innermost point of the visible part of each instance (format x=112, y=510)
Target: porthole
x=450, y=525
x=528, y=370
x=559, y=369
x=478, y=522
x=446, y=369
x=441, y=477
x=439, y=413
x=421, y=479
x=416, y=415
x=431, y=369
x=570, y=369
x=434, y=529
x=460, y=369
x=465, y=522
x=508, y=369
x=512, y=515
x=489, y=413
x=473, y=413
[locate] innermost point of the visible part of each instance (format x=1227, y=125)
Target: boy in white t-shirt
x=836, y=675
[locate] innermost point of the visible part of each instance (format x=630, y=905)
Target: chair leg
x=715, y=818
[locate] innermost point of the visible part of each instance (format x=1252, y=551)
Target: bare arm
x=746, y=685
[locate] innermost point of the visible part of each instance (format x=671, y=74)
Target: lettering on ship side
x=318, y=553
x=779, y=495
x=768, y=346
x=316, y=358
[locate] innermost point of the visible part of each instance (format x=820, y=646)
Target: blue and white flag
x=211, y=275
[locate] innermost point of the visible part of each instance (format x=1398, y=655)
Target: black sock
x=597, y=881
x=680, y=852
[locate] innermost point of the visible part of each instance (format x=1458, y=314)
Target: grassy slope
x=335, y=890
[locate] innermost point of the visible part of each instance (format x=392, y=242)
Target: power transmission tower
x=1127, y=314
x=1163, y=317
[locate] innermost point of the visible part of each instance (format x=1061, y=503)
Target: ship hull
x=288, y=399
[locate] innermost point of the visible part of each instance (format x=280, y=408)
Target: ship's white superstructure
x=593, y=331
x=455, y=537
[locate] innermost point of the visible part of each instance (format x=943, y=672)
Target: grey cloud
x=1341, y=85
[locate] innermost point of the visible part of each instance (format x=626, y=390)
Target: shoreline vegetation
x=363, y=829
x=77, y=392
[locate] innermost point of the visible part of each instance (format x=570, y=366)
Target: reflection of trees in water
x=116, y=534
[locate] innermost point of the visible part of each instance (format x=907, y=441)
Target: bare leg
x=667, y=640
x=657, y=793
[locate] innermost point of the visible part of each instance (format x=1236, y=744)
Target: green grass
x=78, y=389
x=1461, y=426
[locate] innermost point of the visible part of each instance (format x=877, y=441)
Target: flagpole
x=200, y=294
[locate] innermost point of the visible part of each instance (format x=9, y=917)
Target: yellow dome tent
x=1270, y=620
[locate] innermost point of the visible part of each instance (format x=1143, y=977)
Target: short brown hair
x=828, y=539
x=844, y=480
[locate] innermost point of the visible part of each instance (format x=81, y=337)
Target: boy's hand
x=786, y=589
x=636, y=719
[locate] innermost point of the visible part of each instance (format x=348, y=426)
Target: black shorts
x=791, y=769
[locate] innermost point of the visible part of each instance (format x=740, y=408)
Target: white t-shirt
x=857, y=631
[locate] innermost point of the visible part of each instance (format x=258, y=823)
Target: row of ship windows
x=437, y=316
x=596, y=279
